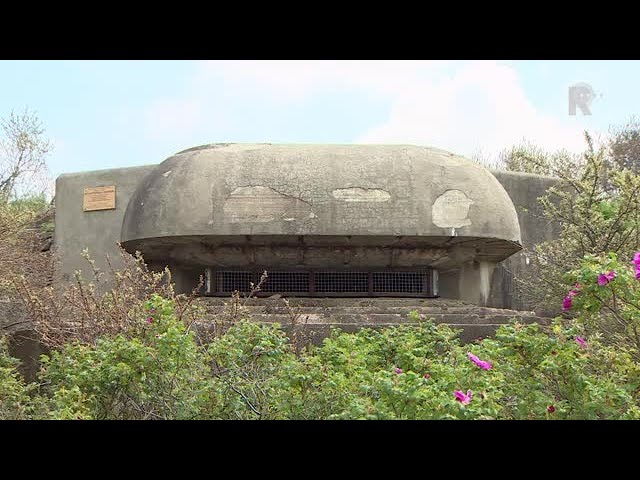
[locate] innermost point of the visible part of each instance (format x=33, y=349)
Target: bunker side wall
x=524, y=190
x=97, y=231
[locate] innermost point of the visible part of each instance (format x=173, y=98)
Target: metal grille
x=342, y=282
x=280, y=282
x=395, y=282
x=326, y=282
x=230, y=281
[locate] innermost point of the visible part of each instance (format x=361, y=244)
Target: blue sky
x=105, y=114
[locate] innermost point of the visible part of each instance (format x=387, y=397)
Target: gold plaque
x=99, y=198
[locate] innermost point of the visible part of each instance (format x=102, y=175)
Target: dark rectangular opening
x=360, y=283
x=342, y=282
x=396, y=282
x=279, y=282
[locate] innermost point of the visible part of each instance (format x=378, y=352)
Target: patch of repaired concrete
x=358, y=194
x=451, y=209
x=260, y=204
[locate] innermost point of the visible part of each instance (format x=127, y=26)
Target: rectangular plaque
x=99, y=198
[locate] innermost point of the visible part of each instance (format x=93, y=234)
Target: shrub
x=245, y=362
x=605, y=297
x=596, y=209
x=414, y=373
x=16, y=402
x=105, y=306
x=252, y=371
x=160, y=373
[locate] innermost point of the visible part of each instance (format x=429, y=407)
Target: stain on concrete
x=203, y=147
x=451, y=209
x=260, y=204
x=311, y=173
x=358, y=194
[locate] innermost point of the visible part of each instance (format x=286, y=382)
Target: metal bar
x=319, y=282
x=312, y=283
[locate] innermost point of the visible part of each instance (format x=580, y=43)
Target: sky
x=108, y=114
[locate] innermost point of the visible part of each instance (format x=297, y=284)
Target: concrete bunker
x=324, y=220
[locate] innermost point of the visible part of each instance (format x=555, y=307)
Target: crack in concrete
x=270, y=188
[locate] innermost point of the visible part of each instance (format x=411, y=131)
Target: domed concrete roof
x=320, y=190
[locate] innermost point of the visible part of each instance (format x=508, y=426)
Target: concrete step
x=370, y=309
x=315, y=317
x=387, y=319
x=339, y=301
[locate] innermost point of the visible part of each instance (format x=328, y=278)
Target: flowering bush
x=592, y=209
x=252, y=371
x=606, y=298
x=423, y=372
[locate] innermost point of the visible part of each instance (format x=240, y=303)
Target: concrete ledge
x=317, y=316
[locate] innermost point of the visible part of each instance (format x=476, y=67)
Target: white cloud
x=291, y=80
x=465, y=107
x=480, y=107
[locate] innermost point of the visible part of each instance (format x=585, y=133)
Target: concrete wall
x=524, y=190
x=494, y=284
x=98, y=231
x=320, y=190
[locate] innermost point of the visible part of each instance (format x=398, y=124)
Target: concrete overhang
x=200, y=204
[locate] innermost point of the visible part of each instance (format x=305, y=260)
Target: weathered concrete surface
x=315, y=317
x=97, y=231
x=329, y=251
x=13, y=315
x=484, y=282
x=319, y=190
x=524, y=190
x=22, y=339
x=352, y=193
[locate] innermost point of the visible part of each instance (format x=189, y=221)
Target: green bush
x=605, y=297
x=159, y=374
x=412, y=373
x=252, y=371
x=16, y=402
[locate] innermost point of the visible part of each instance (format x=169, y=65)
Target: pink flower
x=153, y=309
x=551, y=409
x=566, y=302
x=462, y=398
x=581, y=341
x=427, y=376
x=422, y=316
x=636, y=259
x=481, y=363
x=150, y=320
x=605, y=278
x=398, y=371
x=638, y=272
